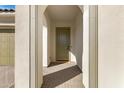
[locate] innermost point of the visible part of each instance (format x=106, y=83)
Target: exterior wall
x=111, y=46
x=22, y=77
x=86, y=46
x=90, y=46
x=46, y=40
x=93, y=49
x=39, y=53
x=23, y=67
x=78, y=42
x=28, y=57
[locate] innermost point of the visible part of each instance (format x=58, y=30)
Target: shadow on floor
x=54, y=79
x=56, y=63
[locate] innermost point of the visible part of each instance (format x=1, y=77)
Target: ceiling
x=62, y=12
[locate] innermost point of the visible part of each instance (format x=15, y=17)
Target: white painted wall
x=22, y=47
x=111, y=46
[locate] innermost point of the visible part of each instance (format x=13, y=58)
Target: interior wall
x=111, y=46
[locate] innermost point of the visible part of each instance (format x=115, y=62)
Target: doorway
x=62, y=43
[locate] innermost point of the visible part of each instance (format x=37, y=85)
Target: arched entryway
x=62, y=46
x=30, y=31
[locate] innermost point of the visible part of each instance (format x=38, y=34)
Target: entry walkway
x=66, y=75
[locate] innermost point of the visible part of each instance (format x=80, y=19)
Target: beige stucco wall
x=22, y=47
x=86, y=46
x=28, y=47
x=93, y=48
x=111, y=46
x=46, y=40
x=78, y=39
x=39, y=28
x=90, y=46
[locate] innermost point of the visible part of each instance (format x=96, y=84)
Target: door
x=62, y=43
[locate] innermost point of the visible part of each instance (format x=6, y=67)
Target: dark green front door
x=62, y=43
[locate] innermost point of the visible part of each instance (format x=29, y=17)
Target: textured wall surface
x=7, y=47
x=111, y=46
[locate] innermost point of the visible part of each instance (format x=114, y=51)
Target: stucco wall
x=86, y=46
x=111, y=46
x=46, y=40
x=22, y=47
x=78, y=42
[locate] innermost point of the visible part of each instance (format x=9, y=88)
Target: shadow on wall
x=77, y=45
x=57, y=78
x=78, y=58
x=77, y=40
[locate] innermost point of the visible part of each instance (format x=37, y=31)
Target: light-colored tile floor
x=66, y=75
x=6, y=76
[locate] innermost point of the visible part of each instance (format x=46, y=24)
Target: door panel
x=62, y=43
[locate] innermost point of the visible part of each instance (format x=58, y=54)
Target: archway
x=32, y=35
x=72, y=18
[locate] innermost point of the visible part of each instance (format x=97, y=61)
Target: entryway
x=39, y=25
x=62, y=46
